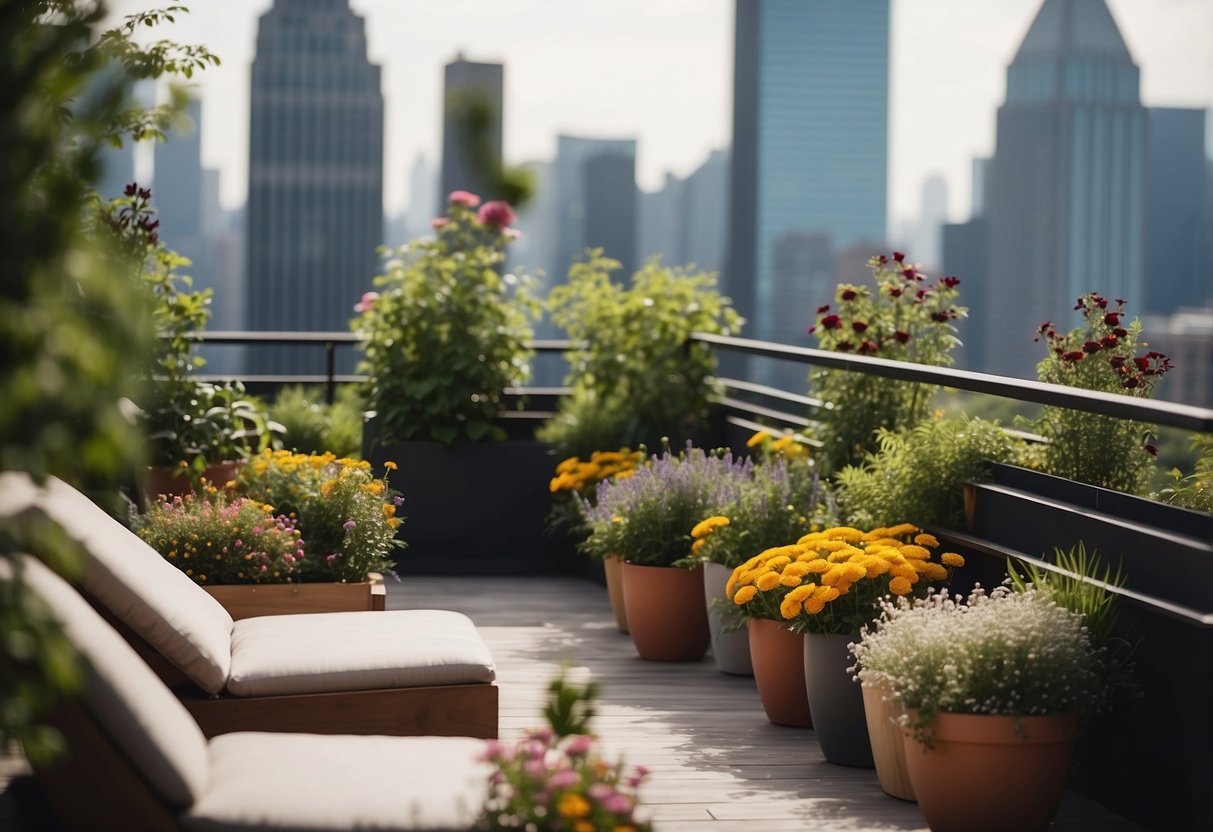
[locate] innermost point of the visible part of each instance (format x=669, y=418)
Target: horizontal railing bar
x=1170, y=414
x=758, y=410
x=289, y=338
x=770, y=392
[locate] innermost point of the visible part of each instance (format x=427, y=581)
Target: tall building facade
x=686, y=222
x=471, y=128
x=810, y=147
x=593, y=209
x=1067, y=183
x=315, y=205
x=177, y=185
x=1178, y=227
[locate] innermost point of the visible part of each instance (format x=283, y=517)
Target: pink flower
x=438, y=222
x=496, y=213
x=368, y=300
x=563, y=779
x=578, y=745
x=466, y=198
x=493, y=750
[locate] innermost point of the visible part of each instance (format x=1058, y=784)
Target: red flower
x=831, y=322
x=1116, y=361
x=849, y=294
x=910, y=273
x=1073, y=355
x=1112, y=319
x=950, y=282
x=1151, y=450
x=821, y=310
x=1091, y=347
x=868, y=347
x=1130, y=383
x=894, y=292
x=859, y=326
x=1102, y=303
x=882, y=260
x=843, y=346
x=130, y=189
x=1120, y=332
x=496, y=213
x=1142, y=363
x=898, y=256
x=1109, y=341
x=902, y=337
x=939, y=317
x=1044, y=328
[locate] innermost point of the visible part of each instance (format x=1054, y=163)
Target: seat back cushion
x=149, y=726
x=144, y=591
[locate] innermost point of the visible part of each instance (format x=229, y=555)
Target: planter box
x=474, y=507
x=251, y=600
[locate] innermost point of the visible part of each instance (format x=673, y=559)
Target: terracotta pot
x=778, y=657
x=666, y=613
x=171, y=483
x=731, y=650
x=888, y=749
x=836, y=700
x=612, y=567
x=984, y=774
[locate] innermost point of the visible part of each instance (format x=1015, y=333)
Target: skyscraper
x=810, y=144
x=177, y=186
x=471, y=128
x=315, y=206
x=593, y=210
x=1067, y=184
x=1177, y=225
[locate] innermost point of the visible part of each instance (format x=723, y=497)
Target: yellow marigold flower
x=811, y=539
x=767, y=581
x=374, y=487
x=796, y=570
x=697, y=545
x=706, y=526
x=900, y=586
x=781, y=551
x=844, y=533
x=789, y=608
x=905, y=570
x=828, y=545
x=389, y=510
x=778, y=562
x=326, y=487
x=394, y=522
x=875, y=566
x=914, y=552
x=826, y=594
x=789, y=580
x=802, y=592
x=229, y=485
x=573, y=805
x=925, y=539
x=853, y=571
x=779, y=444
x=882, y=542
x=757, y=439
x=813, y=606
x=902, y=528
x=817, y=566
x=390, y=466
x=876, y=533
x=952, y=559
x=583, y=826
x=744, y=595
x=832, y=576
x=934, y=571
x=623, y=475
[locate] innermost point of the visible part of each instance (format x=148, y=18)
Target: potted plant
x=444, y=336
x=646, y=520
x=903, y=318
x=780, y=503
x=992, y=689
x=826, y=586
x=577, y=480
x=635, y=375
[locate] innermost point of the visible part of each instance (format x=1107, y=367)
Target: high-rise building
x=177, y=186
x=315, y=205
x=964, y=255
x=1177, y=225
x=1067, y=185
x=595, y=209
x=810, y=143
x=686, y=222
x=471, y=128
x=1186, y=337
x=663, y=221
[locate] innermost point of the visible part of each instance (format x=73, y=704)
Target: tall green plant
x=448, y=333
x=635, y=361
x=901, y=318
x=1195, y=490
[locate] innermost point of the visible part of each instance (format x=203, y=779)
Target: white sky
x=661, y=70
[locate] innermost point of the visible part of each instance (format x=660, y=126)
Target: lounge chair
x=136, y=760
x=399, y=672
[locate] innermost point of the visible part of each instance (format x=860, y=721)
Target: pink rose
x=466, y=198
x=368, y=300
x=496, y=213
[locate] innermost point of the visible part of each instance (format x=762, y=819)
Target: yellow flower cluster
x=703, y=529
x=574, y=474
x=787, y=446
x=824, y=566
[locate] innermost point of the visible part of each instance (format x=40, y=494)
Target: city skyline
x=947, y=62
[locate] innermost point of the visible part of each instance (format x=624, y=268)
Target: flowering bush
x=791, y=446
x=782, y=501
x=217, y=538
x=346, y=515
x=552, y=779
x=1102, y=354
x=447, y=333
x=830, y=581
x=1008, y=653
x=647, y=517
x=573, y=474
x=902, y=319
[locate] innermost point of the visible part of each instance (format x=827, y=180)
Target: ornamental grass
x=830, y=581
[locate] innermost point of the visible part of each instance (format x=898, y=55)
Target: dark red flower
x=1151, y=450
x=145, y=193
x=1045, y=327
x=1131, y=382
x=882, y=260
x=894, y=292
x=1112, y=319
x=1109, y=341
x=939, y=317
x=898, y=256
x=902, y=337
x=950, y=282
x=1073, y=355
x=130, y=189
x=1120, y=332
x=1102, y=303
x=844, y=346
x=848, y=294
x=859, y=326
x=911, y=273
x=1120, y=301
x=831, y=322
x=1116, y=361
x=868, y=347
x=1142, y=363
x=823, y=309
x=1091, y=347
x=812, y=329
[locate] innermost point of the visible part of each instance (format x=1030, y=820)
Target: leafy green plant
x=1101, y=354
x=447, y=334
x=918, y=474
x=901, y=318
x=311, y=425
x=1081, y=584
x=634, y=364
x=1195, y=490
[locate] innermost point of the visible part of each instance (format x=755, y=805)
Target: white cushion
x=17, y=493
x=310, y=782
x=323, y=652
x=144, y=591
x=147, y=723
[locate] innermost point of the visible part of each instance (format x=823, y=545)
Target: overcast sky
x=661, y=71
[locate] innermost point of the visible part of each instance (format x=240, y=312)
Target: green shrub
x=312, y=425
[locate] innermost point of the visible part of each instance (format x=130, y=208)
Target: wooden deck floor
x=717, y=763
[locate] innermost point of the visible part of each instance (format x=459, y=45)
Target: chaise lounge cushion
x=356, y=651
x=144, y=591
x=309, y=782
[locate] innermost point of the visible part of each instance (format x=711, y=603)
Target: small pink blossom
x=438, y=222
x=368, y=300
x=496, y=213
x=564, y=778
x=464, y=198
x=578, y=745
